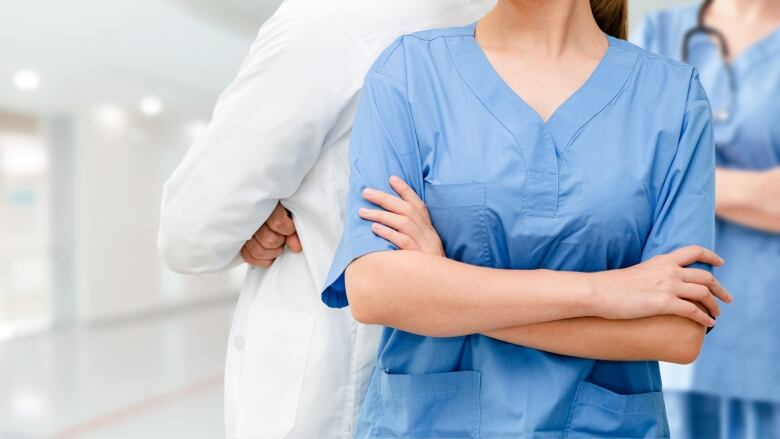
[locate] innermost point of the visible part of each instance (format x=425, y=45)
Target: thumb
x=294, y=242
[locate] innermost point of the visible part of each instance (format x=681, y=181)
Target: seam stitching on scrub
x=617, y=95
x=656, y=211
x=476, y=96
x=405, y=86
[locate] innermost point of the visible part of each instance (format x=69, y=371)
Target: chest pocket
x=458, y=215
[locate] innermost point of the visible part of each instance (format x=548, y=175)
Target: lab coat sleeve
x=685, y=208
x=267, y=131
x=383, y=144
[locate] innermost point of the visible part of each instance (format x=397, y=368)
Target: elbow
x=185, y=254
x=176, y=254
x=686, y=345
x=363, y=293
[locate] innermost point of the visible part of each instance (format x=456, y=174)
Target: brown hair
x=611, y=16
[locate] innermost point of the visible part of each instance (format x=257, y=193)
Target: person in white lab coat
x=279, y=134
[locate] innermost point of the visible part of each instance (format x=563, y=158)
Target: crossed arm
x=749, y=198
x=644, y=312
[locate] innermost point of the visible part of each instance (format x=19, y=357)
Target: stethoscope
x=723, y=114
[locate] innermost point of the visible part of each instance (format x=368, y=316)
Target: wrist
x=593, y=293
x=584, y=294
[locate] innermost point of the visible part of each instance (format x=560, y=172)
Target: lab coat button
x=239, y=342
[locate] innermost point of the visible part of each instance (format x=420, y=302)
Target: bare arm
x=406, y=223
x=661, y=338
x=750, y=198
x=439, y=297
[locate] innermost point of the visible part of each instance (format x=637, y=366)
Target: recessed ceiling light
x=151, y=105
x=111, y=116
x=27, y=80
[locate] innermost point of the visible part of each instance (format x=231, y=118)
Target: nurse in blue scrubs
x=575, y=229
x=736, y=48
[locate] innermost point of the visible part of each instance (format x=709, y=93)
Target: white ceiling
x=90, y=52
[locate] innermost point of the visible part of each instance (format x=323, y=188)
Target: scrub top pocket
x=439, y=405
x=601, y=413
x=458, y=215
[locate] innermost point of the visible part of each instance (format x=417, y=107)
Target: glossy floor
x=159, y=376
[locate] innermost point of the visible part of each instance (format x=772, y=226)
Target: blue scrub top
x=621, y=172
x=741, y=358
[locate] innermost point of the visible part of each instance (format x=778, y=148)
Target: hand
x=662, y=286
x=269, y=240
x=405, y=221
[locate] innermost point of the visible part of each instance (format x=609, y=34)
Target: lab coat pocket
x=601, y=413
x=440, y=405
x=458, y=215
x=276, y=349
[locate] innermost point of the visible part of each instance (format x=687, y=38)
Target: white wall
x=638, y=8
x=119, y=172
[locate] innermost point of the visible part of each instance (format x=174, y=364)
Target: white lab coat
x=280, y=132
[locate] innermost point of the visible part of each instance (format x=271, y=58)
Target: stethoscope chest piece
x=721, y=116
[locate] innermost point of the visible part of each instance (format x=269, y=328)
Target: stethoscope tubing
x=702, y=28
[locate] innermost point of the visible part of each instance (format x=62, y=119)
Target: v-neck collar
x=762, y=50
x=604, y=83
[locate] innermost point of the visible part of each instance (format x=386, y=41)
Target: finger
x=259, y=252
x=280, y=221
x=249, y=259
x=701, y=294
x=390, y=203
x=407, y=193
x=267, y=238
x=704, y=277
x=395, y=221
x=294, y=242
x=684, y=308
x=692, y=254
x=400, y=240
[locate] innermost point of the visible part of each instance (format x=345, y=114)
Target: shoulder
x=651, y=66
x=660, y=81
x=413, y=48
x=306, y=23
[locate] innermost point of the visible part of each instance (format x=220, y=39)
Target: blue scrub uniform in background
x=621, y=172
x=736, y=380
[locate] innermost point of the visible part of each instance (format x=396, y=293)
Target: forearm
x=435, y=296
x=661, y=338
x=750, y=198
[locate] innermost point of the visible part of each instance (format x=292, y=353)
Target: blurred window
x=25, y=242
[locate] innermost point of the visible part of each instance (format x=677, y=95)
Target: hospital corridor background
x=99, y=101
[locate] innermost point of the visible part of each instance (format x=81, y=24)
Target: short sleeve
x=383, y=144
x=685, y=210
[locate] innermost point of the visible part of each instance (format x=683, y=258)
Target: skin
x=268, y=242
x=557, y=50
x=404, y=221
x=749, y=198
x=440, y=297
x=671, y=328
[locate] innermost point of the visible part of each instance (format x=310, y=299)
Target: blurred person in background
x=275, y=153
x=735, y=45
